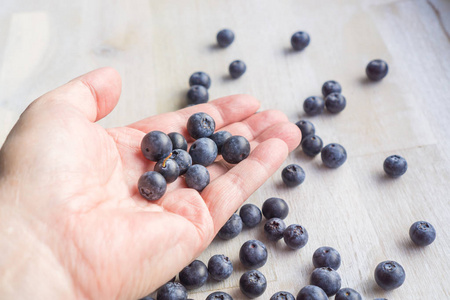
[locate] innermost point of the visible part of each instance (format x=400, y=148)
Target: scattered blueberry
x=225, y=37
x=197, y=94
x=311, y=292
x=200, y=78
x=219, y=296
x=326, y=257
x=235, y=149
x=282, y=296
x=237, y=68
x=168, y=168
x=295, y=236
x=331, y=86
x=197, y=177
x=203, y=152
x=389, y=275
x=377, y=69
x=220, y=267
x=156, y=145
x=275, y=208
x=347, y=294
x=312, y=145
x=182, y=158
x=178, y=141
x=274, y=229
x=335, y=103
x=293, y=175
x=300, y=40
x=253, y=254
x=395, y=166
x=172, y=291
x=231, y=229
x=327, y=279
x=219, y=138
x=253, y=284
x=152, y=185
x=200, y=125
x=306, y=127
x=250, y=214
x=194, y=275
x=422, y=233
x=333, y=155
x=313, y=105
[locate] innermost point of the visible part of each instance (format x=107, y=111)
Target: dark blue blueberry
x=295, y=236
x=380, y=299
x=203, y=152
x=182, y=158
x=225, y=37
x=377, y=69
x=395, y=166
x=327, y=279
x=197, y=94
x=326, y=257
x=194, y=275
x=251, y=215
x=347, y=294
x=253, y=284
x=219, y=296
x=152, y=185
x=172, y=291
x=219, y=138
x=200, y=125
x=306, y=127
x=300, y=40
x=331, y=86
x=389, y=275
x=147, y=298
x=335, y=103
x=293, y=175
x=197, y=177
x=200, y=78
x=253, y=254
x=313, y=105
x=237, y=68
x=156, y=145
x=282, y=296
x=275, y=208
x=312, y=145
x=422, y=233
x=178, y=141
x=333, y=155
x=168, y=168
x=312, y=292
x=235, y=149
x=220, y=267
x=231, y=229
x=274, y=229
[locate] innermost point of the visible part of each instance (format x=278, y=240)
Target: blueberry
x=147, y=298
x=152, y=185
x=293, y=175
x=168, y=168
x=377, y=69
x=178, y=141
x=231, y=229
x=312, y=292
x=203, y=152
x=253, y=284
x=172, y=291
x=253, y=254
x=395, y=166
x=275, y=208
x=219, y=138
x=295, y=236
x=194, y=275
x=220, y=267
x=156, y=145
x=300, y=40
x=274, y=229
x=235, y=149
x=313, y=105
x=197, y=177
x=326, y=257
x=422, y=233
x=389, y=275
x=200, y=125
x=182, y=158
x=200, y=78
x=306, y=127
x=251, y=215
x=282, y=296
x=219, y=296
x=327, y=279
x=225, y=37
x=197, y=94
x=335, y=103
x=331, y=86
x=237, y=68
x=347, y=294
x=333, y=155
x=312, y=145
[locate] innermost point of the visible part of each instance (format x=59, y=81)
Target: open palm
x=77, y=185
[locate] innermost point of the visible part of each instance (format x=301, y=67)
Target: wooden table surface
x=156, y=45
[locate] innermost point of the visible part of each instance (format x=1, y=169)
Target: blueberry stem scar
x=165, y=159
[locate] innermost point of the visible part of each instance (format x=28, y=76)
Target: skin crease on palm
x=72, y=222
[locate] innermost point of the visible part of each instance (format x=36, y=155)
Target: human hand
x=72, y=222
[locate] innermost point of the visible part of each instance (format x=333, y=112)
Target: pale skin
x=72, y=222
